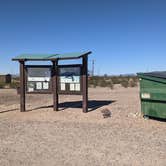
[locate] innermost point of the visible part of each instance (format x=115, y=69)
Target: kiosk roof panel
x=43, y=57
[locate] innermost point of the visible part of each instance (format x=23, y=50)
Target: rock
x=106, y=113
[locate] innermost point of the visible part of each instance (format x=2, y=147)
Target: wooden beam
x=22, y=86
x=55, y=84
x=85, y=83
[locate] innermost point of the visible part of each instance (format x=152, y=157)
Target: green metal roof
x=154, y=76
x=73, y=55
x=32, y=57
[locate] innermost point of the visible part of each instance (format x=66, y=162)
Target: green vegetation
x=100, y=81
x=132, y=82
x=125, y=83
x=12, y=85
x=110, y=81
x=2, y=85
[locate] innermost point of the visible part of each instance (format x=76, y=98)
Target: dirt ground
x=43, y=137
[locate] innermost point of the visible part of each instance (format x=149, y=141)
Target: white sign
x=72, y=88
x=71, y=79
x=45, y=85
x=39, y=79
x=63, y=86
x=145, y=96
x=38, y=85
x=77, y=87
x=30, y=89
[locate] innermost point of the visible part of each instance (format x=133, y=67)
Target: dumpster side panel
x=152, y=86
x=154, y=109
x=153, y=98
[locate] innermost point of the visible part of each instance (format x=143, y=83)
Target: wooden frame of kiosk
x=53, y=79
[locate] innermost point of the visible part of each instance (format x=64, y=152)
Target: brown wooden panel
x=85, y=83
x=22, y=86
x=55, y=84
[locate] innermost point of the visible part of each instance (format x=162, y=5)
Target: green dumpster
x=153, y=94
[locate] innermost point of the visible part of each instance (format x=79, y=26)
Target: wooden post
x=22, y=86
x=55, y=84
x=85, y=83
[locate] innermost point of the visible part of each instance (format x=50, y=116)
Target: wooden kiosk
x=55, y=79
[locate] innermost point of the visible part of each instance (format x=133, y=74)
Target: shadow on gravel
x=92, y=105
x=8, y=110
x=157, y=119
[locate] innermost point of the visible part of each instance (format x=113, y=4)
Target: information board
x=70, y=79
x=38, y=78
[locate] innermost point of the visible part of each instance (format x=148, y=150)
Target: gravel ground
x=41, y=137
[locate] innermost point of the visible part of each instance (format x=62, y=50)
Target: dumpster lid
x=159, y=74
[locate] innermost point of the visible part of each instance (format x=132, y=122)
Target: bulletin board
x=38, y=79
x=69, y=79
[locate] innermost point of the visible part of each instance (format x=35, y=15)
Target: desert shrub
x=92, y=82
x=2, y=85
x=110, y=81
x=89, y=84
x=109, y=84
x=14, y=85
x=102, y=83
x=125, y=84
x=105, y=75
x=132, y=82
x=116, y=80
x=135, y=79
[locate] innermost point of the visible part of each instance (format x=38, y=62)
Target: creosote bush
x=110, y=84
x=2, y=85
x=14, y=85
x=132, y=83
x=100, y=81
x=110, y=81
x=125, y=84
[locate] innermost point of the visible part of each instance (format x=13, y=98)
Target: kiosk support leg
x=55, y=84
x=22, y=86
x=85, y=83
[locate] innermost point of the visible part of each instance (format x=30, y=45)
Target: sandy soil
x=41, y=137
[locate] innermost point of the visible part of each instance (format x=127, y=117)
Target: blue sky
x=125, y=36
